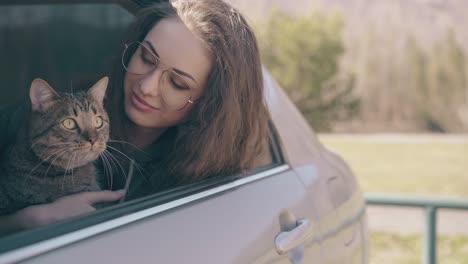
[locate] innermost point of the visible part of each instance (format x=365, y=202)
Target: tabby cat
x=55, y=148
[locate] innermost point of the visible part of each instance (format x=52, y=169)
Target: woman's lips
x=141, y=104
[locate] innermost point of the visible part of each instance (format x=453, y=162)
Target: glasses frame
x=158, y=64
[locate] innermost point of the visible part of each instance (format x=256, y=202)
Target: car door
x=232, y=223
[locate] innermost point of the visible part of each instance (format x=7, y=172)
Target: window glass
x=67, y=45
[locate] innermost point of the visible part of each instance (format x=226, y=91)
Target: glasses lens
x=175, y=91
x=139, y=59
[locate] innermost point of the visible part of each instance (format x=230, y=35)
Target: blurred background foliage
x=302, y=53
x=379, y=81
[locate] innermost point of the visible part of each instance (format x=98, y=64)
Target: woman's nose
x=151, y=82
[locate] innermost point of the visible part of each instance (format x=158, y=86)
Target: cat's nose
x=91, y=138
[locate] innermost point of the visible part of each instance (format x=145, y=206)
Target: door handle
x=285, y=241
x=291, y=237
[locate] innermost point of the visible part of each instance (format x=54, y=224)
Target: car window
x=68, y=45
x=71, y=46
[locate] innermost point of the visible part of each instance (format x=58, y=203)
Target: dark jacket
x=150, y=173
x=11, y=119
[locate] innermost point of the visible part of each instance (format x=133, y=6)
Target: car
x=301, y=205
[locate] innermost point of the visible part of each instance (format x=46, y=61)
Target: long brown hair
x=227, y=127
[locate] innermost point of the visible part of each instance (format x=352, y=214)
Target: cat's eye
x=69, y=123
x=98, y=122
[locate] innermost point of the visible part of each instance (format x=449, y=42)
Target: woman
x=186, y=103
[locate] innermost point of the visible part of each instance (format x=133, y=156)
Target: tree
x=302, y=53
x=441, y=83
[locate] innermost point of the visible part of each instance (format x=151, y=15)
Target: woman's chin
x=136, y=117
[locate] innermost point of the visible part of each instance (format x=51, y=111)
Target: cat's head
x=68, y=130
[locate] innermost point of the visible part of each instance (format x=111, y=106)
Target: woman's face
x=152, y=100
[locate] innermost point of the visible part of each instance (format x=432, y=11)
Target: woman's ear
x=98, y=91
x=42, y=95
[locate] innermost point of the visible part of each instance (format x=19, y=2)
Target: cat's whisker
x=52, y=162
x=65, y=175
x=114, y=162
x=136, y=164
x=125, y=142
x=46, y=159
x=110, y=162
x=72, y=169
x=118, y=163
x=111, y=173
x=106, y=173
x=53, y=145
x=64, y=152
x=68, y=168
x=139, y=168
x=50, y=145
x=107, y=169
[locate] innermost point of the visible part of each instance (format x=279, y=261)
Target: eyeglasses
x=139, y=59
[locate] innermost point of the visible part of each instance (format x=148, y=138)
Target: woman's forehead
x=179, y=48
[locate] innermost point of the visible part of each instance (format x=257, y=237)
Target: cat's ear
x=98, y=91
x=42, y=95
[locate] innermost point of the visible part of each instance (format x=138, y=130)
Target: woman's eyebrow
x=153, y=49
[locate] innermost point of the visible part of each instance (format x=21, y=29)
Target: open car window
x=71, y=46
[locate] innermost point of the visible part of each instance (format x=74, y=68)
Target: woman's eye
x=147, y=60
x=69, y=123
x=98, y=122
x=178, y=84
x=147, y=57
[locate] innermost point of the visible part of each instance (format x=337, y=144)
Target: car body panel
x=235, y=226
x=328, y=180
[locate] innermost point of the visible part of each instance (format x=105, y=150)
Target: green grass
x=432, y=167
x=408, y=165
x=391, y=248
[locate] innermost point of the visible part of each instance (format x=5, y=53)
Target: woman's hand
x=63, y=208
